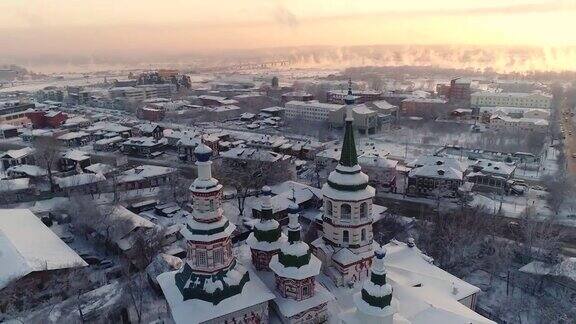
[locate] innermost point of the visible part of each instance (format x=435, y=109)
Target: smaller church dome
x=203, y=153
x=293, y=208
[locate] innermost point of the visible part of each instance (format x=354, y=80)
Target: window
x=305, y=290
x=218, y=256
x=345, y=211
x=364, y=210
x=211, y=204
x=363, y=234
x=201, y=258
x=345, y=236
x=328, y=207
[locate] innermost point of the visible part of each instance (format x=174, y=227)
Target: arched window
x=345, y=236
x=364, y=210
x=328, y=207
x=363, y=235
x=345, y=211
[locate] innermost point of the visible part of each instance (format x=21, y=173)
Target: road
x=567, y=123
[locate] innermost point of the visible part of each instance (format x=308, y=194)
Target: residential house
x=84, y=183
x=380, y=170
x=427, y=108
x=126, y=228
x=186, y=146
x=148, y=130
x=74, y=139
x=106, y=128
x=536, y=125
x=46, y=119
x=491, y=175
x=32, y=255
x=143, y=147
x=435, y=176
x=145, y=176
x=100, y=168
x=241, y=156
x=74, y=160
x=108, y=144
x=26, y=171
x=16, y=190
x=8, y=131
x=17, y=157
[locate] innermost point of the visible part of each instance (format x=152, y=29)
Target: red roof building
x=46, y=119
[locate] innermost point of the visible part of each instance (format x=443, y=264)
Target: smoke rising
x=500, y=59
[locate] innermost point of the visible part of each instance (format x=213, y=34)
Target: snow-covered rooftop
x=314, y=104
x=146, y=128
x=12, y=185
x=79, y=180
x=73, y=135
x=18, y=154
x=244, y=153
x=424, y=293
x=142, y=141
x=29, y=170
x=27, y=245
x=143, y=172
x=101, y=168
x=76, y=155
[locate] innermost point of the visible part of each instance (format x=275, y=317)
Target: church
x=212, y=286
x=346, y=246
x=344, y=276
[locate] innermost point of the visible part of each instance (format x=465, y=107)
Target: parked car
x=518, y=190
x=91, y=259
x=105, y=264
x=67, y=239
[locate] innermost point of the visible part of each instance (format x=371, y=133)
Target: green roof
x=349, y=157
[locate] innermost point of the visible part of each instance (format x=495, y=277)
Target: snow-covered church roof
x=423, y=292
x=253, y=293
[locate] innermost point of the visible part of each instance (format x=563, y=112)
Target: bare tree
x=89, y=217
x=76, y=286
x=560, y=188
x=47, y=153
x=135, y=290
x=539, y=239
x=456, y=239
x=177, y=189
x=147, y=244
x=248, y=177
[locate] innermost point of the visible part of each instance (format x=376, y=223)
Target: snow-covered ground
x=512, y=305
x=515, y=206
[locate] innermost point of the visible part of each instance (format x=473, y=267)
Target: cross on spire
x=350, y=99
x=350, y=86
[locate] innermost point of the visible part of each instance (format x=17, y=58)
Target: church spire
x=349, y=157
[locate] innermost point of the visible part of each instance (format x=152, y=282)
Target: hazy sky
x=123, y=27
